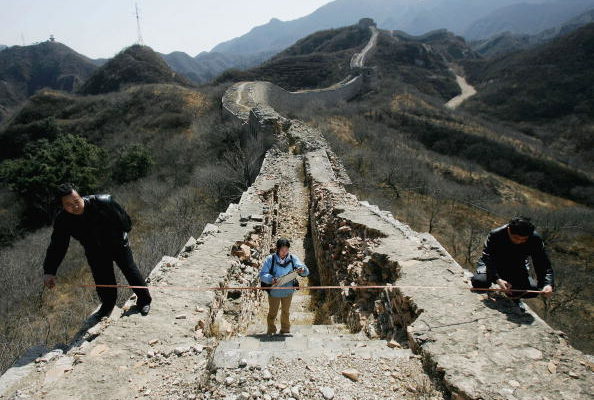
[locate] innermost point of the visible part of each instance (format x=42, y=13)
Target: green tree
x=45, y=165
x=134, y=162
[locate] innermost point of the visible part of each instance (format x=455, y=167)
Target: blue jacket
x=280, y=268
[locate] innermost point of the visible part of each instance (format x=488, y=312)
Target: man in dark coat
x=505, y=260
x=101, y=226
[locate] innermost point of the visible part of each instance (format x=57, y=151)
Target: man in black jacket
x=101, y=226
x=505, y=260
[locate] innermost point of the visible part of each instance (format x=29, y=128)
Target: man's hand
x=505, y=285
x=547, y=291
x=49, y=281
x=300, y=270
x=274, y=281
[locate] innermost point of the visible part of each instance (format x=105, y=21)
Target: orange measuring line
x=358, y=287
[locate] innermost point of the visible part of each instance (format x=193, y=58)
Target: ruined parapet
x=476, y=347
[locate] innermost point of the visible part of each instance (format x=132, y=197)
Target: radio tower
x=138, y=32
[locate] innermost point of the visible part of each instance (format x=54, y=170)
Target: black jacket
x=99, y=229
x=506, y=260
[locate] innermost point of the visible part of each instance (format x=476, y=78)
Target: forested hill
x=26, y=69
x=135, y=65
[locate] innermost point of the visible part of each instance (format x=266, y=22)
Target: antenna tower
x=138, y=32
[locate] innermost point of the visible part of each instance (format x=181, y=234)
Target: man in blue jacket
x=275, y=266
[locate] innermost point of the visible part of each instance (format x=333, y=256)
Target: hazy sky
x=101, y=28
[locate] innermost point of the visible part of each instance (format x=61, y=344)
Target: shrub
x=45, y=165
x=134, y=162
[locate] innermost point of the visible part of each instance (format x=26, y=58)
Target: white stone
x=352, y=374
x=178, y=351
x=198, y=348
x=327, y=392
x=210, y=229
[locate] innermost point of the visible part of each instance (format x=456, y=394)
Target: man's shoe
x=145, y=309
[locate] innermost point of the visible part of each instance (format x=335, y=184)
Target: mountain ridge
x=133, y=65
x=26, y=69
x=524, y=18
x=507, y=42
x=407, y=15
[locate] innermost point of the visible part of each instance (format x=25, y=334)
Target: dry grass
x=342, y=128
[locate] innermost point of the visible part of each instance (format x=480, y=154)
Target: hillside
x=423, y=62
x=546, y=90
x=134, y=65
x=162, y=149
x=316, y=61
x=524, y=18
x=26, y=69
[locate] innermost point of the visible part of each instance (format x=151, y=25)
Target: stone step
x=305, y=342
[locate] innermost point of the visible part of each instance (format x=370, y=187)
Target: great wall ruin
x=208, y=344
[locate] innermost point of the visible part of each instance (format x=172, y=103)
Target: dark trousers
x=520, y=281
x=103, y=274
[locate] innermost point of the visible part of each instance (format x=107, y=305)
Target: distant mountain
x=207, y=65
x=100, y=61
x=26, y=69
x=322, y=59
x=526, y=18
x=508, y=42
x=316, y=61
x=412, y=16
x=2, y=47
x=134, y=65
x=549, y=89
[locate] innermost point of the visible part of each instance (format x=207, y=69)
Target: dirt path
x=467, y=91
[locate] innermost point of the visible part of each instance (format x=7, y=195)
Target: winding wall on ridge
x=475, y=347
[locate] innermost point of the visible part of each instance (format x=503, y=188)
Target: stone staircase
x=306, y=341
